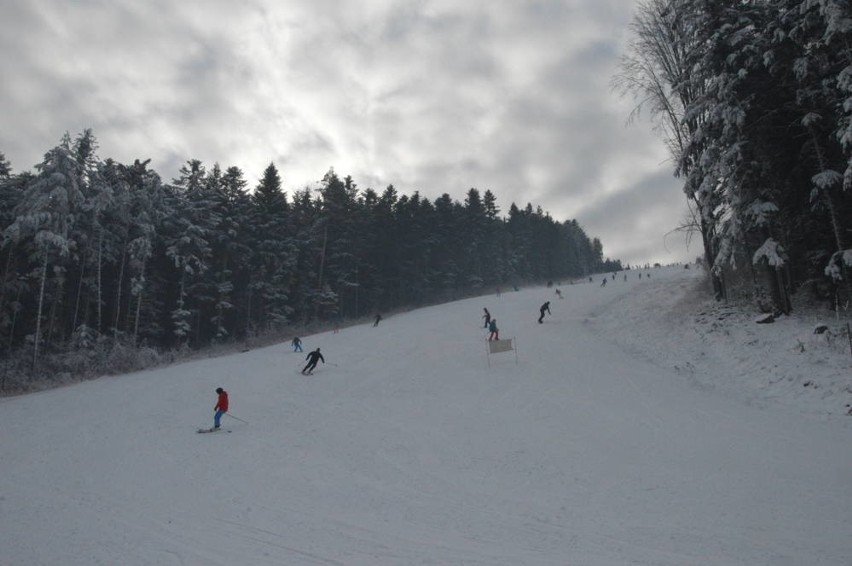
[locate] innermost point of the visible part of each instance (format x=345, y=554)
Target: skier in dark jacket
x=544, y=308
x=487, y=317
x=297, y=344
x=313, y=358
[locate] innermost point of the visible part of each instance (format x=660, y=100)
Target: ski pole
x=238, y=418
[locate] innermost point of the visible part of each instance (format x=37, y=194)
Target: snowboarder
x=221, y=407
x=544, y=308
x=313, y=358
x=495, y=332
x=378, y=320
x=297, y=344
x=559, y=293
x=487, y=317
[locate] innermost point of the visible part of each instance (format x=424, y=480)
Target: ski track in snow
x=632, y=431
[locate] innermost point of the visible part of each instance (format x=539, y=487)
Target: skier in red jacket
x=221, y=406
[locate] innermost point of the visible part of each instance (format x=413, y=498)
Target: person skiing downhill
x=487, y=317
x=313, y=358
x=297, y=344
x=495, y=332
x=221, y=406
x=544, y=308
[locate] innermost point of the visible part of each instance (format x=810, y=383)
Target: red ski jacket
x=222, y=403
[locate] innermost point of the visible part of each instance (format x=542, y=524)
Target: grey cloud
x=432, y=95
x=653, y=199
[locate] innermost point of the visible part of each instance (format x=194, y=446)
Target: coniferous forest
x=754, y=101
x=103, y=260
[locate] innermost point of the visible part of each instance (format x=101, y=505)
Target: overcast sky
x=431, y=95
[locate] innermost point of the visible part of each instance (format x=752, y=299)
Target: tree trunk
x=716, y=280
x=76, y=320
x=3, y=284
x=100, y=280
x=138, y=307
x=248, y=309
x=14, y=322
x=118, y=290
x=321, y=268
x=38, y=313
x=777, y=284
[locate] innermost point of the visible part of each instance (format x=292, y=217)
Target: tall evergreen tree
x=274, y=258
x=231, y=251
x=11, y=286
x=187, y=245
x=45, y=216
x=339, y=261
x=149, y=203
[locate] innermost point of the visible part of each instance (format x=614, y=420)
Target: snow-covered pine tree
x=338, y=222
x=818, y=35
x=415, y=218
x=273, y=257
x=657, y=69
x=11, y=190
x=230, y=249
x=187, y=246
x=96, y=244
x=148, y=209
x=44, y=217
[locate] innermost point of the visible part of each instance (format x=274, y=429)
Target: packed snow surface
x=636, y=428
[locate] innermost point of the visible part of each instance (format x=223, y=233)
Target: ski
x=212, y=429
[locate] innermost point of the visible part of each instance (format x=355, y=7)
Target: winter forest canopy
x=96, y=252
x=754, y=101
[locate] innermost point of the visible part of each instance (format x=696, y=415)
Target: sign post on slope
x=498, y=346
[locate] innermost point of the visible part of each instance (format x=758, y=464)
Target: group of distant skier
x=491, y=322
x=315, y=356
x=604, y=280
x=221, y=406
x=491, y=325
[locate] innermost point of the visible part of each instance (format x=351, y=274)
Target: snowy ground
x=719, y=346
x=638, y=428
